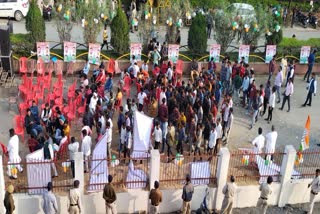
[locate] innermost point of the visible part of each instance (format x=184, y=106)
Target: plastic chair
x=70, y=66
x=164, y=68
x=71, y=90
x=23, y=64
x=127, y=85
x=138, y=87
x=19, y=126
x=111, y=66
x=179, y=68
x=59, y=67
x=82, y=108
x=40, y=67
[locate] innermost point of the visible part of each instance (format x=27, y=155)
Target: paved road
x=52, y=35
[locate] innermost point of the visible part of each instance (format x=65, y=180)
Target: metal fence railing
x=248, y=167
x=306, y=164
x=127, y=173
x=36, y=175
x=173, y=170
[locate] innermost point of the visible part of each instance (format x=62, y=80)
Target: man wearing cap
x=8, y=200
x=50, y=205
x=187, y=194
x=14, y=158
x=155, y=198
x=110, y=196
x=74, y=206
x=266, y=191
x=229, y=191
x=315, y=189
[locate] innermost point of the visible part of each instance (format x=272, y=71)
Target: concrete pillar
x=222, y=175
x=286, y=173
x=2, y=186
x=154, y=171
x=79, y=169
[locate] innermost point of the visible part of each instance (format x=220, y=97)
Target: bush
x=35, y=24
x=197, y=35
x=295, y=43
x=120, y=32
x=21, y=44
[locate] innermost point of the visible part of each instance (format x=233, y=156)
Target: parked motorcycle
x=204, y=204
x=47, y=12
x=302, y=19
x=313, y=21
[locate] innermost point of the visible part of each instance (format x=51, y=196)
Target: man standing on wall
x=187, y=193
x=155, y=198
x=266, y=191
x=315, y=189
x=110, y=196
x=228, y=190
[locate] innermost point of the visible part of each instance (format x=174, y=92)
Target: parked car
x=14, y=8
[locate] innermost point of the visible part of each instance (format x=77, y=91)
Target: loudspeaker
x=5, y=46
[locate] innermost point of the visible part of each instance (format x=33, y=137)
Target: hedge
x=295, y=43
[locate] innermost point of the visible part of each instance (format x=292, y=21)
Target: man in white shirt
x=315, y=189
x=144, y=66
x=169, y=73
x=73, y=147
x=102, y=120
x=141, y=97
x=86, y=149
x=271, y=139
x=13, y=150
x=212, y=139
x=287, y=94
x=93, y=102
x=219, y=135
x=108, y=138
x=258, y=142
x=272, y=103
x=229, y=125
x=157, y=134
x=278, y=82
x=135, y=70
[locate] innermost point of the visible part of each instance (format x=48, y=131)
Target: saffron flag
x=304, y=142
x=305, y=138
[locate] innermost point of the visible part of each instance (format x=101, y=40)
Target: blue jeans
x=58, y=136
x=36, y=130
x=164, y=129
x=278, y=93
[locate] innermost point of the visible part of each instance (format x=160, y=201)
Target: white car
x=14, y=8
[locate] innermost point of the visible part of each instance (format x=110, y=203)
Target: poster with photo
x=94, y=53
x=173, y=52
x=43, y=51
x=270, y=52
x=135, y=50
x=70, y=51
x=215, y=52
x=244, y=51
x=304, y=54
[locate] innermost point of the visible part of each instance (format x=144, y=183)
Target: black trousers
x=270, y=110
x=180, y=147
x=309, y=99
x=156, y=145
x=265, y=104
x=104, y=43
x=285, y=99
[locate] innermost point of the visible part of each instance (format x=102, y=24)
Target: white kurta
x=13, y=149
x=271, y=139
x=258, y=142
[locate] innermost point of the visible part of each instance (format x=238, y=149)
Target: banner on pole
x=70, y=51
x=94, y=53
x=244, y=51
x=271, y=50
x=43, y=51
x=135, y=50
x=173, y=52
x=215, y=52
x=304, y=54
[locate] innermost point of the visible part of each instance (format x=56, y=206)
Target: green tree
x=91, y=13
x=120, y=32
x=197, y=36
x=63, y=20
x=223, y=33
x=35, y=24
